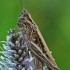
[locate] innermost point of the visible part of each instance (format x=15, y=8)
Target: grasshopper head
x=24, y=19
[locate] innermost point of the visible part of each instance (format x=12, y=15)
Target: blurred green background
x=52, y=18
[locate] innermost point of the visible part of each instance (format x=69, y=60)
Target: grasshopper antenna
x=22, y=4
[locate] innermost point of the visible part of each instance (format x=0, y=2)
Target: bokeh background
x=52, y=18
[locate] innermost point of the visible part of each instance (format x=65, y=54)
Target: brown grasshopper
x=35, y=40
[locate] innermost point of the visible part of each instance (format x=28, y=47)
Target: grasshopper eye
x=20, y=24
x=20, y=21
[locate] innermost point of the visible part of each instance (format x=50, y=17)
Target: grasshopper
x=35, y=41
